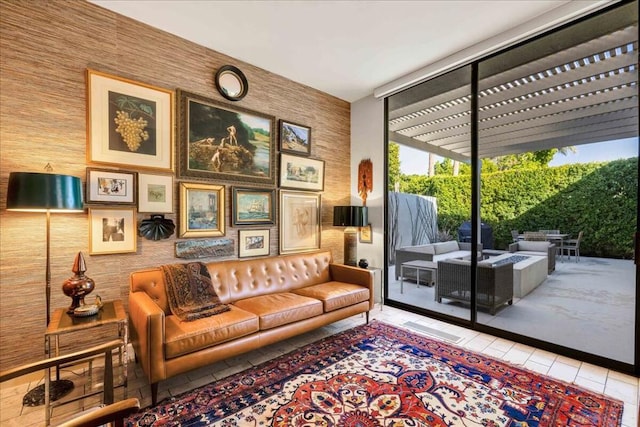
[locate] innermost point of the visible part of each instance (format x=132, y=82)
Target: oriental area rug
x=381, y=375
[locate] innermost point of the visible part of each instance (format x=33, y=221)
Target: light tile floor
x=611, y=383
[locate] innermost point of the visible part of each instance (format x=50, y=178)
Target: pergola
x=566, y=90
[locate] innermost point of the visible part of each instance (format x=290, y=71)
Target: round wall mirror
x=231, y=83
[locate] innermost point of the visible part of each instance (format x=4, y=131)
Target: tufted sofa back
x=239, y=279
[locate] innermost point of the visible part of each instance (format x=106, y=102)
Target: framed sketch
x=301, y=173
x=225, y=142
x=155, y=193
x=253, y=206
x=299, y=221
x=365, y=234
x=112, y=230
x=253, y=243
x=201, y=210
x=129, y=123
x=111, y=186
x=295, y=138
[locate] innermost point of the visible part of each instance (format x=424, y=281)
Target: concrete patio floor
x=588, y=306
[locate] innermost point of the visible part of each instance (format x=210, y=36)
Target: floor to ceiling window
x=555, y=147
x=413, y=216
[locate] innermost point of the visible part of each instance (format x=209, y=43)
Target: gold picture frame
x=366, y=236
x=202, y=210
x=129, y=123
x=300, y=226
x=112, y=231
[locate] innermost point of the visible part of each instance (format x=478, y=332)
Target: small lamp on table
x=350, y=217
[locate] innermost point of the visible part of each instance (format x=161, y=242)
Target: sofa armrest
x=355, y=275
x=513, y=247
x=146, y=320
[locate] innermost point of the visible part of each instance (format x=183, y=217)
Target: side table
x=418, y=265
x=111, y=313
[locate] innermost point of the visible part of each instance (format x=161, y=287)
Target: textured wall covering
x=46, y=46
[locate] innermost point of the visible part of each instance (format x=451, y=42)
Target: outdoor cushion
x=524, y=245
x=453, y=254
x=444, y=247
x=422, y=249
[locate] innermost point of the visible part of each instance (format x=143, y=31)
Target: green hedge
x=598, y=198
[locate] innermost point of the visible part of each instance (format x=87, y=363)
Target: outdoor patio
x=588, y=306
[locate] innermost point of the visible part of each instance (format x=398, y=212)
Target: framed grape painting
x=129, y=123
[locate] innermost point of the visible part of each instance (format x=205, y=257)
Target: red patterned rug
x=381, y=375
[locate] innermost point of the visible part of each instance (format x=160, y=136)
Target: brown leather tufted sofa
x=271, y=299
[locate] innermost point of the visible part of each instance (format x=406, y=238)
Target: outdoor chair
x=573, y=245
x=515, y=235
x=95, y=416
x=535, y=236
x=495, y=283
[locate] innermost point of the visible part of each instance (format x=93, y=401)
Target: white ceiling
x=344, y=48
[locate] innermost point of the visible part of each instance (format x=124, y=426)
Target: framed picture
x=129, y=123
x=295, y=138
x=299, y=221
x=111, y=186
x=201, y=210
x=253, y=206
x=301, y=173
x=365, y=234
x=112, y=230
x=219, y=141
x=155, y=193
x=253, y=243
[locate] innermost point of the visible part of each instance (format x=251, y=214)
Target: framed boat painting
x=253, y=206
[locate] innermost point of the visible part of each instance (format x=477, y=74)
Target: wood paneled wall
x=45, y=48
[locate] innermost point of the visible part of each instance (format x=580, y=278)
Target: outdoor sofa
x=430, y=252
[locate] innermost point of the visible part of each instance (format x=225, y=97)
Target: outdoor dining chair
x=515, y=235
x=535, y=236
x=573, y=245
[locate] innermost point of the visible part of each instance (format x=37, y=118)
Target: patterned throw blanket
x=190, y=291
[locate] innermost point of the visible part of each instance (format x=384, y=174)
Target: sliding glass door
x=541, y=140
x=429, y=132
x=558, y=135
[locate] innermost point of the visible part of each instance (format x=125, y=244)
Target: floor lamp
x=350, y=217
x=45, y=192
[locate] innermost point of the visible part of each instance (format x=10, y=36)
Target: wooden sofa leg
x=154, y=394
x=367, y=316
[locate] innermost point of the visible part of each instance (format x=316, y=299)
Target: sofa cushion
x=444, y=247
x=280, y=308
x=335, y=295
x=533, y=246
x=421, y=249
x=186, y=337
x=452, y=254
x=535, y=253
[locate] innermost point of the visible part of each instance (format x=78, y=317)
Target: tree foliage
x=393, y=165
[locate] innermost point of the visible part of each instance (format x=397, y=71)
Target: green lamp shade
x=29, y=191
x=350, y=216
